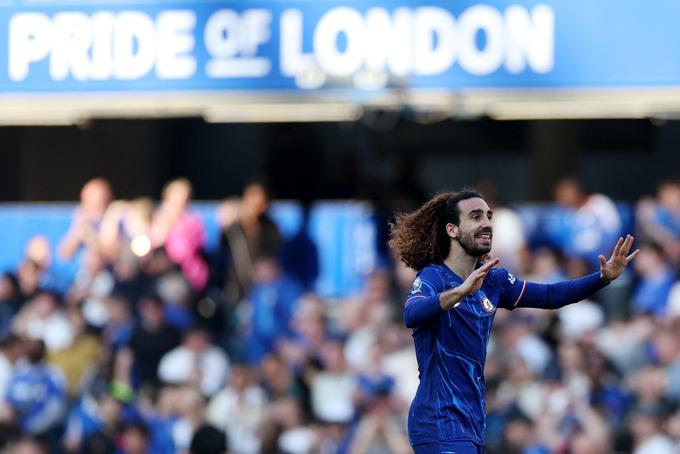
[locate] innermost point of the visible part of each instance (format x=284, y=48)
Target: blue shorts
x=449, y=447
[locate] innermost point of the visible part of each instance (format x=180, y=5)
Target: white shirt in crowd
x=332, y=396
x=180, y=365
x=658, y=444
x=55, y=330
x=240, y=417
x=299, y=440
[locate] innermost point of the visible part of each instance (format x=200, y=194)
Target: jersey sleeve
x=559, y=294
x=512, y=289
x=422, y=302
x=515, y=292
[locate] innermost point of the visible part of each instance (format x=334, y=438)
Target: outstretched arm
x=554, y=296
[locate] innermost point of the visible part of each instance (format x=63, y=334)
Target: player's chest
x=469, y=323
x=480, y=304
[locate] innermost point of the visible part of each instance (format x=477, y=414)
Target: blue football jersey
x=451, y=351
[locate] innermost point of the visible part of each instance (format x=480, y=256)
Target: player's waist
x=437, y=427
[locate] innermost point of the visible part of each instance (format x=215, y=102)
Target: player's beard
x=467, y=242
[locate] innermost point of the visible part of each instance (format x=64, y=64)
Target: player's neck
x=460, y=262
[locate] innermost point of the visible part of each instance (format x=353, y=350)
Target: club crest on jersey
x=511, y=278
x=417, y=285
x=487, y=305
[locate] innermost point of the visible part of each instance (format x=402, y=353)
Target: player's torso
x=466, y=328
x=451, y=352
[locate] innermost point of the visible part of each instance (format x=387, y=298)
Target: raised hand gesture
x=612, y=268
x=475, y=280
x=453, y=297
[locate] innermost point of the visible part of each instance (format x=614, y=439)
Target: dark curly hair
x=419, y=237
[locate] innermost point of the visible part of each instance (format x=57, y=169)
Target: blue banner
x=150, y=46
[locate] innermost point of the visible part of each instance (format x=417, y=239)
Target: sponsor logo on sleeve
x=511, y=278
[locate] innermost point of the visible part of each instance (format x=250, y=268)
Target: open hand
x=475, y=280
x=612, y=268
x=454, y=297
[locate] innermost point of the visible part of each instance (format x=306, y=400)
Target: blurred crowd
x=159, y=346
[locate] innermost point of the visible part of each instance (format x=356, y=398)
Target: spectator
x=519, y=337
x=77, y=360
x=29, y=276
x=39, y=252
x=180, y=232
x=161, y=418
x=607, y=396
x=309, y=332
x=363, y=316
x=332, y=389
x=667, y=351
x=176, y=416
x=95, y=197
x=273, y=300
x=381, y=425
x=176, y=293
x=278, y=380
x=93, y=424
x=624, y=344
x=246, y=237
x=657, y=278
x=195, y=362
x=585, y=224
x=190, y=408
x=296, y=437
x=130, y=279
x=43, y=319
x=37, y=393
x=11, y=349
x=125, y=227
x=648, y=438
x=521, y=389
x=239, y=409
x=547, y=266
x=120, y=326
x=519, y=436
x=397, y=356
x=93, y=283
x=659, y=219
x=151, y=339
x=134, y=439
x=208, y=440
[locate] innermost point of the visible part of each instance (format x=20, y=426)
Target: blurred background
x=196, y=198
